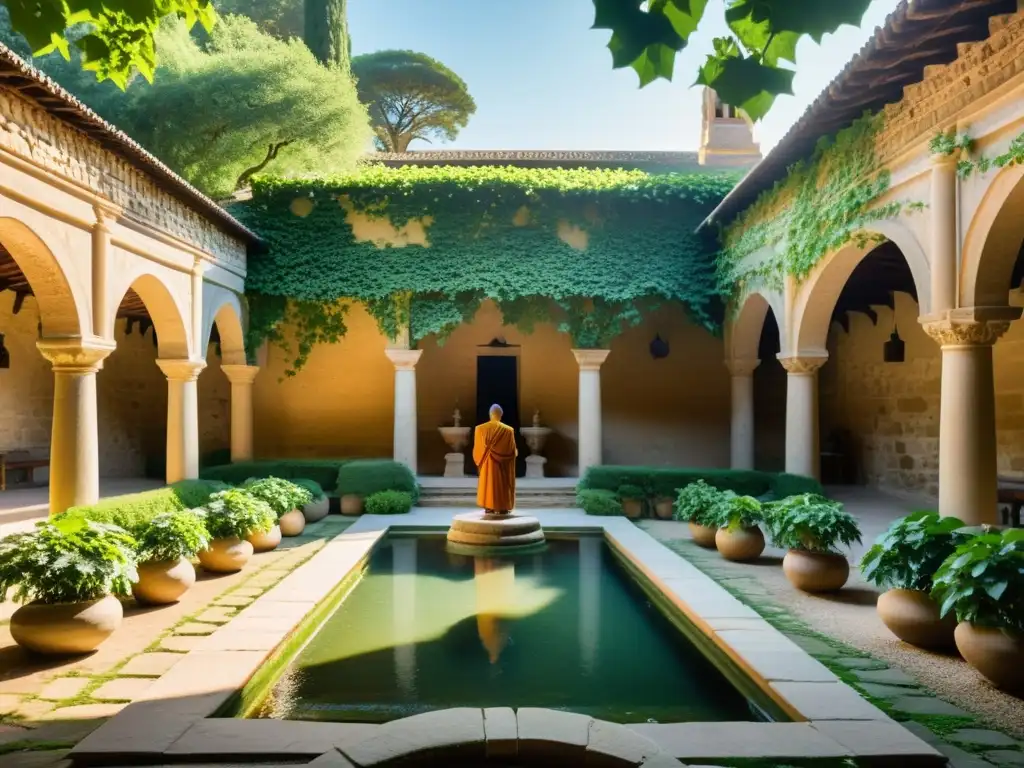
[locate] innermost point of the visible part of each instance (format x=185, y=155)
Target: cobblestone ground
x=938, y=697
x=46, y=706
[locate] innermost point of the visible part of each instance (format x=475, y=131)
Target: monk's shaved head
x=496, y=411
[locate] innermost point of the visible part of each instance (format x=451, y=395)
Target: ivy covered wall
x=590, y=250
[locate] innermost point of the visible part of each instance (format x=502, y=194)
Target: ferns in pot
x=166, y=545
x=811, y=527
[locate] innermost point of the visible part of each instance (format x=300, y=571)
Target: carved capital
x=742, y=366
x=404, y=359
x=591, y=359
x=969, y=326
x=105, y=213
x=240, y=374
x=803, y=365
x=946, y=161
x=76, y=355
x=181, y=370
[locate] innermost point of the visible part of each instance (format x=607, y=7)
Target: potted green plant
x=696, y=505
x=982, y=584
x=903, y=561
x=166, y=546
x=67, y=574
x=319, y=505
x=286, y=499
x=811, y=527
x=632, y=497
x=738, y=536
x=233, y=518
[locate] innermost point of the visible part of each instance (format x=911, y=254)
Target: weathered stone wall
x=29, y=131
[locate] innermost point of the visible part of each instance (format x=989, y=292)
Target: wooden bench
x=1011, y=493
x=17, y=464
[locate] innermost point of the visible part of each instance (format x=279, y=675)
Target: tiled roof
x=34, y=84
x=917, y=34
x=531, y=158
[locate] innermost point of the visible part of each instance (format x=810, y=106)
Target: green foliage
x=842, y=177
x=312, y=486
x=962, y=143
x=365, y=477
x=411, y=96
x=909, y=553
x=115, y=39
x=785, y=484
x=631, y=492
x=282, y=19
x=388, y=503
x=237, y=513
x=666, y=481
x=812, y=523
x=326, y=32
x=282, y=495
x=697, y=503
x=172, y=535
x=983, y=580
x=323, y=471
x=598, y=502
x=195, y=493
x=71, y=560
x=131, y=511
x=734, y=512
x=493, y=232
x=744, y=67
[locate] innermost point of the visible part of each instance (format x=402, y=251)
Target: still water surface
x=564, y=629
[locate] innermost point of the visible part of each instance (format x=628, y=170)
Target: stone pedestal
x=496, y=533
x=455, y=465
x=535, y=466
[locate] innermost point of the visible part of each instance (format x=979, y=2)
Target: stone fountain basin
x=456, y=437
x=535, y=437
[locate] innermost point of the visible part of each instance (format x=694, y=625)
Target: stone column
x=182, y=417
x=405, y=361
x=100, y=251
x=241, y=378
x=802, y=453
x=742, y=432
x=197, y=309
x=967, y=418
x=943, y=232
x=74, y=446
x=590, y=362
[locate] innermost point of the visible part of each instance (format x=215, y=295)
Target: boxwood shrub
x=323, y=471
x=365, y=477
x=134, y=510
x=666, y=481
x=388, y=503
x=597, y=501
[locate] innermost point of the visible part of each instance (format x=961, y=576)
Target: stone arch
x=61, y=313
x=993, y=241
x=747, y=325
x=168, y=319
x=817, y=296
x=223, y=308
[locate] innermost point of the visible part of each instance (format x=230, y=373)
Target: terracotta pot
x=741, y=544
x=913, y=617
x=66, y=628
x=292, y=523
x=633, y=508
x=316, y=509
x=996, y=653
x=265, y=541
x=164, y=581
x=703, y=535
x=351, y=504
x=663, y=507
x=815, y=571
x=226, y=555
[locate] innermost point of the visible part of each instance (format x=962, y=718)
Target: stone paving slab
x=63, y=688
x=226, y=738
x=707, y=741
x=150, y=664
x=123, y=689
x=982, y=736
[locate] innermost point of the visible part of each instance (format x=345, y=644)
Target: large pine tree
x=327, y=32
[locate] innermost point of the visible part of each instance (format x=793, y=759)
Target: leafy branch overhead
x=744, y=68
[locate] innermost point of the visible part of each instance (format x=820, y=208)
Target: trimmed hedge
x=666, y=481
x=136, y=509
x=323, y=471
x=365, y=477
x=596, y=501
x=388, y=503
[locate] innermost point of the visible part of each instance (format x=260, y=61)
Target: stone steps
x=526, y=498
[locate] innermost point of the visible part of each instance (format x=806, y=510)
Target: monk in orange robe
x=494, y=453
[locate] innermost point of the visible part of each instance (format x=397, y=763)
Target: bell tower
x=726, y=135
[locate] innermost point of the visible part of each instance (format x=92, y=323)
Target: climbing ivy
x=951, y=142
x=821, y=205
x=589, y=250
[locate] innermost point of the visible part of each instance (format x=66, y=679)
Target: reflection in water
x=404, y=613
x=590, y=601
x=495, y=582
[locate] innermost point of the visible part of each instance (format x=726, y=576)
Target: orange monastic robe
x=494, y=453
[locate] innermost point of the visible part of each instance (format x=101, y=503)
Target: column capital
x=742, y=366
x=942, y=160
x=76, y=355
x=105, y=212
x=404, y=359
x=591, y=359
x=181, y=370
x=803, y=364
x=240, y=374
x=969, y=326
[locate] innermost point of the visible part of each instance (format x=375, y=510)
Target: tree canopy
x=282, y=19
x=326, y=32
x=411, y=96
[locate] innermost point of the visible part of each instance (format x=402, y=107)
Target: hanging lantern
x=894, y=350
x=659, y=348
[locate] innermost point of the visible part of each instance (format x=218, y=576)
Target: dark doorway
x=497, y=381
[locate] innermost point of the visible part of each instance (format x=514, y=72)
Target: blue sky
x=542, y=79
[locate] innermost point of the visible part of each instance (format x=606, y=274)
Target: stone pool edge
x=173, y=723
